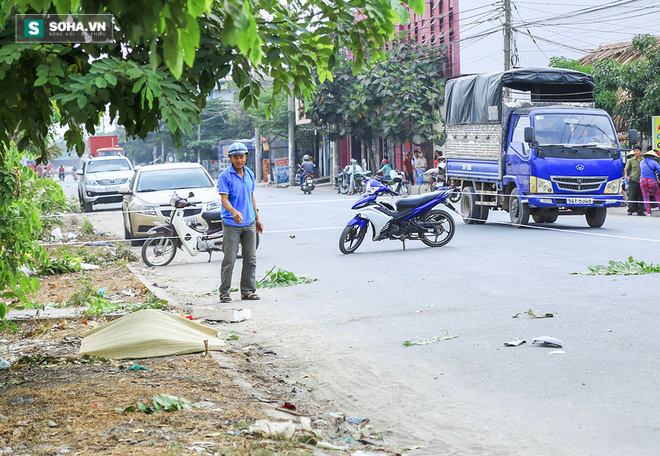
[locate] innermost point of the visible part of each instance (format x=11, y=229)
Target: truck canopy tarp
x=477, y=98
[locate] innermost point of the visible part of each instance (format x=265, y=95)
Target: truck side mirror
x=633, y=137
x=530, y=135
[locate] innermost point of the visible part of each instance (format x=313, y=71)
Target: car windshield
x=574, y=129
x=172, y=179
x=102, y=166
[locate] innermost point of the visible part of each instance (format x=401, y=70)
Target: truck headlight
x=613, y=186
x=212, y=205
x=538, y=185
x=146, y=210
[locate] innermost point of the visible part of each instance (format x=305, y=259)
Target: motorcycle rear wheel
x=158, y=250
x=455, y=196
x=441, y=231
x=351, y=238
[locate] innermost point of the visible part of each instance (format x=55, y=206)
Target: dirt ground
x=55, y=403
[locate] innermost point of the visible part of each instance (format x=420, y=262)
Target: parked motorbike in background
x=182, y=232
x=343, y=180
x=396, y=182
x=434, y=179
x=405, y=219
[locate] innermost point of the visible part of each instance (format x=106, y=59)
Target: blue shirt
x=648, y=165
x=239, y=189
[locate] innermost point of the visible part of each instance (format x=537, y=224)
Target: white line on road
x=304, y=229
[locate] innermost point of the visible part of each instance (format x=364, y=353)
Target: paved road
x=468, y=395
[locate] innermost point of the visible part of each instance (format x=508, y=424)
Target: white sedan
x=147, y=197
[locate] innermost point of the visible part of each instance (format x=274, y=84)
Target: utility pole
x=507, y=35
x=292, y=140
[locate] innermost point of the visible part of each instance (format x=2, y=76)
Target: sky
x=568, y=28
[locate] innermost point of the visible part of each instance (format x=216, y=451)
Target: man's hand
x=237, y=216
x=259, y=227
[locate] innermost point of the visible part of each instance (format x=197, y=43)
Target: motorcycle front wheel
x=351, y=238
x=405, y=190
x=439, y=228
x=343, y=185
x=455, y=196
x=158, y=250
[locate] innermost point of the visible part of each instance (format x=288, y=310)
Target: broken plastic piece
x=356, y=419
x=549, y=341
x=514, y=343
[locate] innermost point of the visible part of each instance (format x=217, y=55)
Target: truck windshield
x=577, y=130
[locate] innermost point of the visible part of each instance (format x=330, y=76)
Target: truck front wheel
x=518, y=211
x=596, y=216
x=472, y=212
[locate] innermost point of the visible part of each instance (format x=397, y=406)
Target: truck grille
x=578, y=184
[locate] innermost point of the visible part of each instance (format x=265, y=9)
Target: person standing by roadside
x=241, y=223
x=649, y=169
x=408, y=168
x=633, y=172
x=420, y=165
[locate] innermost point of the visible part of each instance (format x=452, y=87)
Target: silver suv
x=100, y=180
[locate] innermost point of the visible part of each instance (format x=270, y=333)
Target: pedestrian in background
x=408, y=168
x=633, y=172
x=649, y=174
x=241, y=223
x=420, y=165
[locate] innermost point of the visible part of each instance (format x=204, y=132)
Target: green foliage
x=630, y=267
x=86, y=227
x=399, y=97
x=161, y=403
x=639, y=80
x=168, y=56
x=54, y=266
x=282, y=278
x=20, y=225
x=430, y=340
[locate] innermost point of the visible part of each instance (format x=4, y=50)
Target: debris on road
x=531, y=314
x=549, y=342
x=515, y=343
x=430, y=340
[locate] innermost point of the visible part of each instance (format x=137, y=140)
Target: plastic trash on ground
x=548, y=342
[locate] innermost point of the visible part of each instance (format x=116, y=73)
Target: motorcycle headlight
x=212, y=205
x=538, y=185
x=146, y=210
x=613, y=186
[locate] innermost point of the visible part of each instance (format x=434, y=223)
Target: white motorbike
x=181, y=232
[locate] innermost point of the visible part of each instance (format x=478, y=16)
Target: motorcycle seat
x=213, y=217
x=408, y=203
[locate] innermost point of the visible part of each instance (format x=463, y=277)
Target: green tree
x=398, y=98
x=23, y=200
x=169, y=55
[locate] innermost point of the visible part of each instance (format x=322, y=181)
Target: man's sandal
x=224, y=297
x=250, y=297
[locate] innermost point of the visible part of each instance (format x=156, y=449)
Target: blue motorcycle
x=405, y=219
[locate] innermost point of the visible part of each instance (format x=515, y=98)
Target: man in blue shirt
x=241, y=224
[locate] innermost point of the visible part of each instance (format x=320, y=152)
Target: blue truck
x=530, y=142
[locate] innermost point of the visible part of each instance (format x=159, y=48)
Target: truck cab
x=568, y=164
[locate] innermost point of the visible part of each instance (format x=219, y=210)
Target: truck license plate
x=579, y=201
